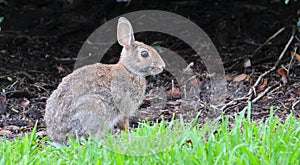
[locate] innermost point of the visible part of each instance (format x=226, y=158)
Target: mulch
x=40, y=40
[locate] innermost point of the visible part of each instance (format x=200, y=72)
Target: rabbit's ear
x=125, y=32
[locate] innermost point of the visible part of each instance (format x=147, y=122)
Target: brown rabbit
x=99, y=96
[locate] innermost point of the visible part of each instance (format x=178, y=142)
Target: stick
x=232, y=102
x=268, y=40
x=293, y=106
x=284, y=50
x=252, y=89
x=263, y=93
x=273, y=68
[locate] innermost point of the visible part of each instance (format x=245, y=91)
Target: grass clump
x=246, y=142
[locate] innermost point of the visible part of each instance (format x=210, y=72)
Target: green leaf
x=9, y=79
x=286, y=1
x=3, y=1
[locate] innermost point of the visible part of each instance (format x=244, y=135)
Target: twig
x=252, y=89
x=293, y=106
x=261, y=76
x=13, y=84
x=39, y=87
x=272, y=91
x=290, y=64
x=284, y=50
x=29, y=76
x=65, y=59
x=173, y=86
x=268, y=40
x=232, y=102
x=263, y=93
x=272, y=69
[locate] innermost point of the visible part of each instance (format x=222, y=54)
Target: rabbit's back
x=91, y=97
x=83, y=81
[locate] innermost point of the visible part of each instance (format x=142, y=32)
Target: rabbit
x=97, y=97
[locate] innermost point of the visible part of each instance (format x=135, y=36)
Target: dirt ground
x=40, y=40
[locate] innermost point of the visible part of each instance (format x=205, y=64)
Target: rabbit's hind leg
x=91, y=116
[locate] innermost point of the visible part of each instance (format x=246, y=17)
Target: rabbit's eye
x=144, y=54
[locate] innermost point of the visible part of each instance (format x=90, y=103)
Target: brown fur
x=98, y=97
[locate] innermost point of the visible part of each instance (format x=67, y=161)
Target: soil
x=40, y=40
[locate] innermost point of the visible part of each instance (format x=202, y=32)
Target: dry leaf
x=188, y=143
x=5, y=132
x=297, y=56
x=60, y=69
x=247, y=63
x=175, y=93
x=283, y=74
x=228, y=77
x=25, y=102
x=172, y=103
x=263, y=86
x=30, y=123
x=241, y=77
x=260, y=136
x=284, y=79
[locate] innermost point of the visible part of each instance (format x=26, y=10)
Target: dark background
x=40, y=39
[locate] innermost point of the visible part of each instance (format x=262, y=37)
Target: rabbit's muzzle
x=154, y=70
x=151, y=70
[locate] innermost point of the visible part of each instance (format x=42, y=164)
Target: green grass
x=268, y=142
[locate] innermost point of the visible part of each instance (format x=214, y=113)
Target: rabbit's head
x=139, y=58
